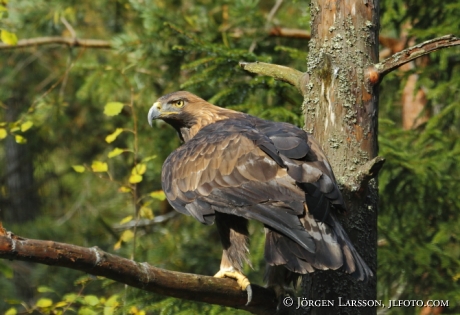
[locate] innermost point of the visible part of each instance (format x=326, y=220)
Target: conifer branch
x=282, y=73
x=72, y=42
x=97, y=262
x=411, y=53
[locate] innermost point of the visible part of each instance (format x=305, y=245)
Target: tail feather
x=333, y=250
x=281, y=250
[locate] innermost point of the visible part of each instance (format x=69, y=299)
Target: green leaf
x=115, y=152
x=3, y=133
x=117, y=245
x=91, y=300
x=86, y=311
x=124, y=189
x=111, y=304
x=111, y=138
x=8, y=38
x=113, y=108
x=44, y=289
x=148, y=158
x=127, y=235
x=71, y=297
x=44, y=302
x=139, y=169
x=442, y=236
x=126, y=219
x=83, y=280
x=135, y=178
x=11, y=311
x=112, y=301
x=146, y=212
x=60, y=304
x=26, y=126
x=78, y=168
x=20, y=139
x=99, y=167
x=159, y=194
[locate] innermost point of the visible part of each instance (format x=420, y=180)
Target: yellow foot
x=242, y=280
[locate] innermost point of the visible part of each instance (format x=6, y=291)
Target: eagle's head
x=187, y=113
x=177, y=108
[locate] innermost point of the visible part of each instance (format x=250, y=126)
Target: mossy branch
x=282, y=73
x=97, y=262
x=379, y=70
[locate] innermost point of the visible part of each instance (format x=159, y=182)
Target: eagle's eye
x=179, y=103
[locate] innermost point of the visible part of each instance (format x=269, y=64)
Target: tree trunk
x=340, y=106
x=22, y=200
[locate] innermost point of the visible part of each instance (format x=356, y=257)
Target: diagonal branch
x=379, y=70
x=282, y=73
x=145, y=222
x=72, y=42
x=139, y=275
x=69, y=27
x=270, y=17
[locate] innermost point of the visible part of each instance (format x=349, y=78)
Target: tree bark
x=340, y=106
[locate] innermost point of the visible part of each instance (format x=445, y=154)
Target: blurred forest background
x=79, y=163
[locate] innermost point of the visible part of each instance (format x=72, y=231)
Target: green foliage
x=50, y=302
x=419, y=206
x=418, y=222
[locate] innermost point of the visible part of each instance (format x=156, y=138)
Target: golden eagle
x=233, y=167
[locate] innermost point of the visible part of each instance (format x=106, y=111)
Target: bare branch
x=273, y=11
x=289, y=32
x=395, y=44
x=146, y=222
x=270, y=17
x=282, y=73
x=72, y=42
x=412, y=53
x=95, y=261
x=69, y=27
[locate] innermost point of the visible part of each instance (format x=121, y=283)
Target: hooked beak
x=154, y=112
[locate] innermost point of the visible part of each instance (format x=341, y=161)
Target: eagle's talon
x=249, y=291
x=241, y=279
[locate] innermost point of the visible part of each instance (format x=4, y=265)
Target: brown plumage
x=233, y=167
